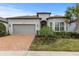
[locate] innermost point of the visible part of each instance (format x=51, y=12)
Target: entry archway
x=43, y=23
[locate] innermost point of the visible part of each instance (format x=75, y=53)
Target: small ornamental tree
x=2, y=29
x=46, y=35
x=45, y=31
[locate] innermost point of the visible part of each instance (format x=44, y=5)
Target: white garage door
x=23, y=29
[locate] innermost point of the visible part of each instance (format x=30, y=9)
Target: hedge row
x=66, y=35
x=62, y=35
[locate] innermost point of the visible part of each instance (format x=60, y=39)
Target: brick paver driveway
x=16, y=42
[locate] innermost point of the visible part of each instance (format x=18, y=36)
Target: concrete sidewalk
x=13, y=53
x=52, y=53
x=38, y=53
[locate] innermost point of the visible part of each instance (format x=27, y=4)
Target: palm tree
x=77, y=15
x=69, y=12
x=75, y=11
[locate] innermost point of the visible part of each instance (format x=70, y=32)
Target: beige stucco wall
x=56, y=20
x=44, y=16
x=23, y=21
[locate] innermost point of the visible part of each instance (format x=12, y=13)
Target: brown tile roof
x=52, y=17
x=56, y=17
x=24, y=17
x=35, y=17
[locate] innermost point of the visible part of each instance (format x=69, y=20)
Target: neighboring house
x=4, y=21
x=32, y=24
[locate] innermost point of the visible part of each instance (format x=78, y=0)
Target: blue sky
x=18, y=9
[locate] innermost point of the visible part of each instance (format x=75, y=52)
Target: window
x=59, y=26
x=51, y=25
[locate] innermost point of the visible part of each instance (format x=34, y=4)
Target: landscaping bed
x=59, y=45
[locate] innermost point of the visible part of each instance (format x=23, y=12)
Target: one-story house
x=32, y=24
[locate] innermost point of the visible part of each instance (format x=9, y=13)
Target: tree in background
x=2, y=29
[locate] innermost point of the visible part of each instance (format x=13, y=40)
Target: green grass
x=59, y=45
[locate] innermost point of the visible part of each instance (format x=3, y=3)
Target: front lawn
x=59, y=45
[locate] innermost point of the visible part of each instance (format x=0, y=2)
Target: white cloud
x=6, y=11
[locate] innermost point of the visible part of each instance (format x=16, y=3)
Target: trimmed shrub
x=63, y=34
x=2, y=29
x=75, y=35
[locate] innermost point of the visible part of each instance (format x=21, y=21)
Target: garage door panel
x=23, y=29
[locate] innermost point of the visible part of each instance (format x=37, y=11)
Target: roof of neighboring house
x=3, y=20
x=24, y=17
